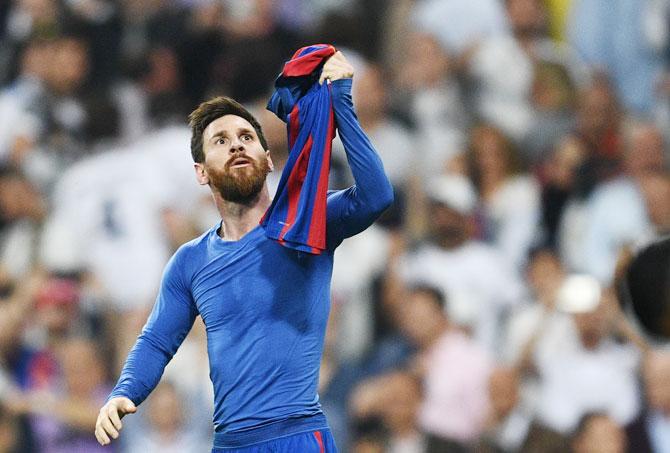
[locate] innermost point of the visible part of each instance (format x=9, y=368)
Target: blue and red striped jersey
x=297, y=215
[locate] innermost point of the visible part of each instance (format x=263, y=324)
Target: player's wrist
x=342, y=87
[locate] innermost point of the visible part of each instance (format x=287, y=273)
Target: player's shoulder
x=189, y=252
x=195, y=244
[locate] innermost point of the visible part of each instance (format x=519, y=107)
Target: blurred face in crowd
x=368, y=445
x=164, y=73
x=41, y=11
x=565, y=162
x=492, y=153
x=645, y=151
x=427, y=64
x=552, y=89
x=598, y=111
x=57, y=306
x=35, y=60
x=656, y=375
x=449, y=228
x=545, y=274
x=422, y=319
x=656, y=190
x=369, y=94
x=82, y=368
x=235, y=162
x=600, y=435
x=528, y=17
x=594, y=326
x=19, y=199
x=69, y=65
x=164, y=411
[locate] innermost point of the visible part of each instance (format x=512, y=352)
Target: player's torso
x=265, y=308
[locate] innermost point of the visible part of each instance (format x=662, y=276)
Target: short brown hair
x=211, y=110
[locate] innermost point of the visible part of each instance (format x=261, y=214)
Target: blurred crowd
x=528, y=144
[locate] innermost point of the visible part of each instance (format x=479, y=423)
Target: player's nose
x=236, y=146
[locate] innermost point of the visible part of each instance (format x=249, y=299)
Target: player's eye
x=247, y=137
x=221, y=141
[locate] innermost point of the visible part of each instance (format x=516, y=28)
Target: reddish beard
x=240, y=185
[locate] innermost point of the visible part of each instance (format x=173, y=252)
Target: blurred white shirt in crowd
x=108, y=209
x=439, y=115
x=575, y=381
x=460, y=24
x=358, y=260
x=503, y=96
x=477, y=281
x=514, y=213
x=394, y=144
x=617, y=217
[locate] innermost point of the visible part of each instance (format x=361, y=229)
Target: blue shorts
x=320, y=441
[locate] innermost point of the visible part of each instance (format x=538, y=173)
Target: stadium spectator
x=510, y=197
x=434, y=102
x=460, y=24
x=168, y=427
x=475, y=277
x=599, y=432
x=19, y=104
x=394, y=400
x=589, y=369
x=62, y=415
x=388, y=135
x=454, y=370
x=617, y=210
x=22, y=210
x=558, y=190
x=617, y=36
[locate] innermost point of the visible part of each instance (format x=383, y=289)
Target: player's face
x=235, y=162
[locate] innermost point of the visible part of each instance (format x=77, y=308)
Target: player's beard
x=240, y=185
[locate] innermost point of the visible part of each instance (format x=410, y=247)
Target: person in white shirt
x=478, y=282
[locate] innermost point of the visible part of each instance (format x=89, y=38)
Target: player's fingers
x=114, y=417
x=324, y=75
x=107, y=426
x=101, y=435
x=129, y=407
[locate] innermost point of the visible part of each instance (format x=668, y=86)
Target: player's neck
x=240, y=218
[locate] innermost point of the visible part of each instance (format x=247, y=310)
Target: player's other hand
x=109, y=419
x=336, y=67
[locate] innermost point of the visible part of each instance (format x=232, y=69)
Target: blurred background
x=527, y=141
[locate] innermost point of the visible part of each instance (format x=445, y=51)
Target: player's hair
x=211, y=110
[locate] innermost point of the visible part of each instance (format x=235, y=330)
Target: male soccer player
x=264, y=305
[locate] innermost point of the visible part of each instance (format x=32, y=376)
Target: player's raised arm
x=170, y=321
x=352, y=210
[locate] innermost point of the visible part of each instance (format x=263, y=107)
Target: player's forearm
x=373, y=187
x=142, y=370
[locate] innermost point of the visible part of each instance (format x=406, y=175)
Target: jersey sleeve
x=170, y=321
x=352, y=210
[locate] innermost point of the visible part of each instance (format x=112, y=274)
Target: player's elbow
x=384, y=198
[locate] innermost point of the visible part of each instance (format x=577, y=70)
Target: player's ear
x=270, y=163
x=201, y=174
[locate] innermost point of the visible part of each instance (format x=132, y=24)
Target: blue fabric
x=297, y=215
x=307, y=442
x=265, y=306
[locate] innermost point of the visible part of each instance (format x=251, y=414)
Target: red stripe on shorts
x=317, y=434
